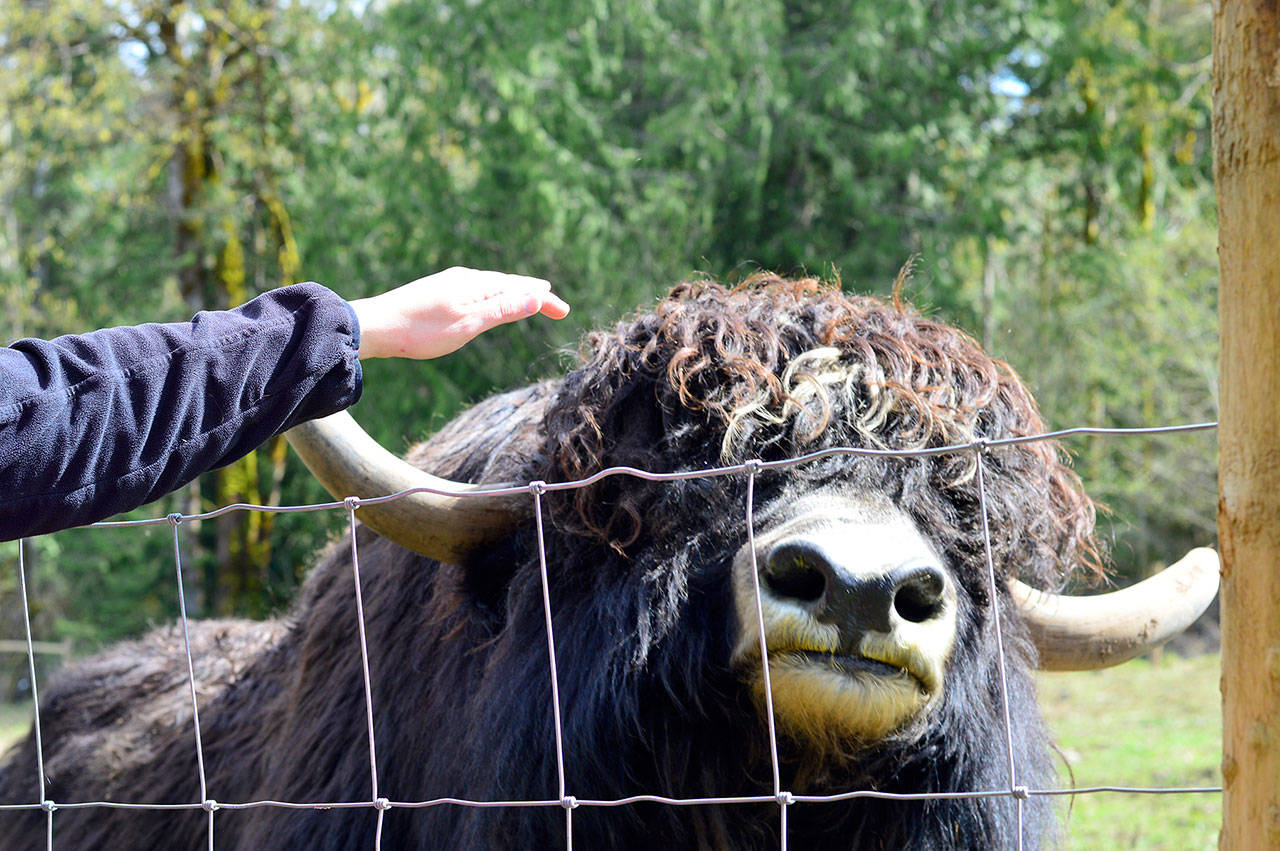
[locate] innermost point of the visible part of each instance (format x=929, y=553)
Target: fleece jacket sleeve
x=95, y=424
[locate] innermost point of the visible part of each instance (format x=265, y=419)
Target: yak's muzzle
x=859, y=618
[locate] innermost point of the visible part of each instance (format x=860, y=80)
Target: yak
x=873, y=574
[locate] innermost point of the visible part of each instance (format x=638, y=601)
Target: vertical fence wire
x=567, y=801
x=379, y=803
x=1015, y=791
x=208, y=804
x=783, y=799
x=35, y=693
x=1019, y=794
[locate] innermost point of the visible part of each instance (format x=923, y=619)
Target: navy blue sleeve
x=99, y=423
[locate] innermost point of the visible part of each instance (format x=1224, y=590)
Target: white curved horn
x=1081, y=633
x=348, y=462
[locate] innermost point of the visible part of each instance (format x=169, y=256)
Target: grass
x=1140, y=724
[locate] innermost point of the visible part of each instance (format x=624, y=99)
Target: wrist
x=372, y=334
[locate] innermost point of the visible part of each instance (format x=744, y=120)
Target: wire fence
x=1018, y=792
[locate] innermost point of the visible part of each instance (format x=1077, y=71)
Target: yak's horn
x=348, y=462
x=1081, y=633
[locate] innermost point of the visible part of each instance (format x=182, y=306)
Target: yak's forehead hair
x=806, y=357
x=774, y=367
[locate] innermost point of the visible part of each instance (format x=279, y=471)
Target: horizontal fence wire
x=536, y=490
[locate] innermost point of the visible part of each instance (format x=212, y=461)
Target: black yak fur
x=644, y=623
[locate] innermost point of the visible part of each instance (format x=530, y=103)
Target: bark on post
x=1246, y=130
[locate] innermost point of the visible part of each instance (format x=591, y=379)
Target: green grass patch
x=1140, y=724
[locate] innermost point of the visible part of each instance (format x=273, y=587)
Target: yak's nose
x=801, y=571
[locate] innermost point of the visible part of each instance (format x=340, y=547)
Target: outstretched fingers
x=435, y=315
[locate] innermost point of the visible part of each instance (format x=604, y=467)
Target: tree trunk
x=1246, y=130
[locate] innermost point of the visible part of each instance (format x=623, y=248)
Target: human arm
x=99, y=423
x=95, y=424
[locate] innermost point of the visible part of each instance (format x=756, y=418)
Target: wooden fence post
x=1246, y=142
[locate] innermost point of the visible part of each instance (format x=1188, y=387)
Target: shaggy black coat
x=644, y=622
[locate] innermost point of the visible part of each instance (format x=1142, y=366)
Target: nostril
x=918, y=596
x=793, y=572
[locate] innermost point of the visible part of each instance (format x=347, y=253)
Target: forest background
x=1046, y=164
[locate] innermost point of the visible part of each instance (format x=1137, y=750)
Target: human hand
x=440, y=313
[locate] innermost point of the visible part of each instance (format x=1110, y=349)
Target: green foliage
x=1047, y=163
